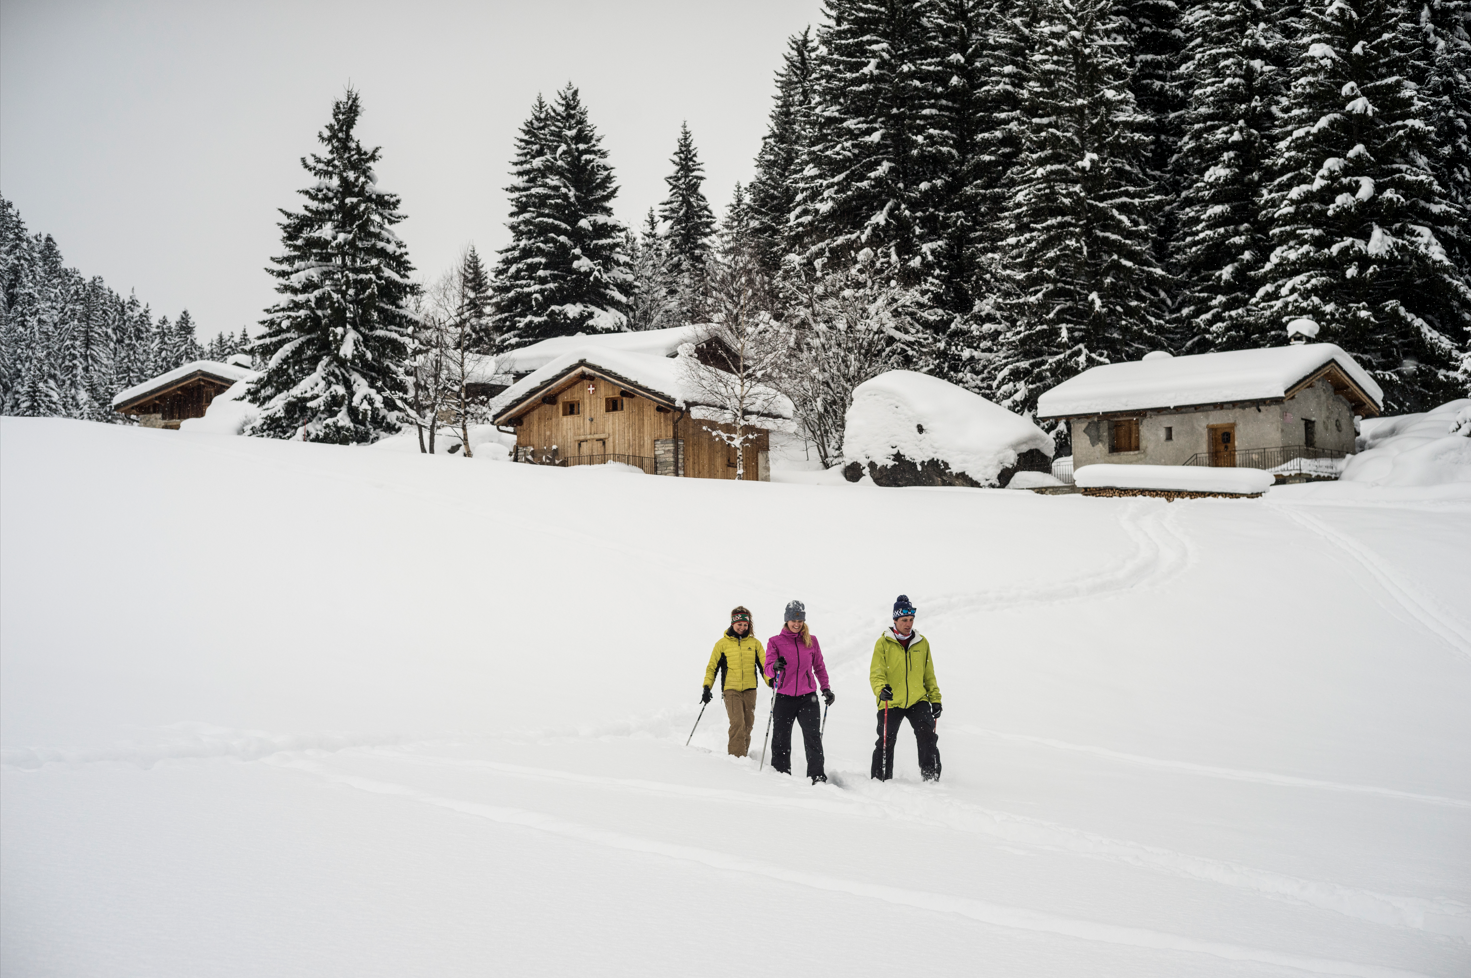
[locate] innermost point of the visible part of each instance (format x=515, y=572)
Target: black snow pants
x=922, y=719
x=802, y=709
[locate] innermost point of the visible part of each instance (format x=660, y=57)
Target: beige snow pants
x=740, y=706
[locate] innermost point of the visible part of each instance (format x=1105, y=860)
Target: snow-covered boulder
x=1189, y=479
x=909, y=429
x=1429, y=449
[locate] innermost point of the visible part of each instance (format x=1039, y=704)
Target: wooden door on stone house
x=1222, y=439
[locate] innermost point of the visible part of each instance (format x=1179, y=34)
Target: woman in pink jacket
x=793, y=658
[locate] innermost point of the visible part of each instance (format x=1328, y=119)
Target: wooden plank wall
x=631, y=431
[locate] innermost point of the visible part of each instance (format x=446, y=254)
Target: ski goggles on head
x=904, y=613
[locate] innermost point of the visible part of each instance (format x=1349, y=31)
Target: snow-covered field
x=285, y=709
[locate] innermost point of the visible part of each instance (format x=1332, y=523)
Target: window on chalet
x=1125, y=435
x=569, y=408
x=1309, y=433
x=611, y=404
x=1169, y=433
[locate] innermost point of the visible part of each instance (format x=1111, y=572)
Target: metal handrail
x=638, y=461
x=1270, y=459
x=1062, y=470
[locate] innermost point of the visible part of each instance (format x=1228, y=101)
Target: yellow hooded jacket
x=740, y=658
x=909, y=672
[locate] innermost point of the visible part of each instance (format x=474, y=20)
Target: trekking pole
x=769, y=718
x=697, y=723
x=823, y=729
x=885, y=770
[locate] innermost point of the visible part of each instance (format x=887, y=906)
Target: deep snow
x=290, y=709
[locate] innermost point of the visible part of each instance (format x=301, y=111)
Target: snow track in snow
x=1206, y=770
x=998, y=915
x=863, y=799
x=1405, y=594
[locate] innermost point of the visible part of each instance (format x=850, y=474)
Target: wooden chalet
x=182, y=393
x=591, y=406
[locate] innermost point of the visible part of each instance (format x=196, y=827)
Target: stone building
x=1268, y=408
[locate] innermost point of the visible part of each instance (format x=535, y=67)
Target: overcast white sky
x=155, y=140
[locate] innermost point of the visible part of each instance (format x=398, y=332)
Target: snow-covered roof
x=226, y=373
x=925, y=417
x=665, y=377
x=652, y=342
x=1206, y=378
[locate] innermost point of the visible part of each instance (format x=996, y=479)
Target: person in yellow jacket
x=903, y=678
x=740, y=660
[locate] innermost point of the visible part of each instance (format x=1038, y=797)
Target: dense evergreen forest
x=69, y=343
x=1002, y=193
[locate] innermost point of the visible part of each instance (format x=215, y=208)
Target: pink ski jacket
x=796, y=680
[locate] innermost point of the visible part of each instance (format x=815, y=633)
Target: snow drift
x=907, y=428
x=1182, y=478
x=1433, y=448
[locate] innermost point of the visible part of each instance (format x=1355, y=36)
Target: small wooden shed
x=182, y=393
x=592, y=406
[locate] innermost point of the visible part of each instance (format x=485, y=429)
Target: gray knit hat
x=796, y=611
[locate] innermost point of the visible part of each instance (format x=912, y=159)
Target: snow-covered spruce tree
x=1087, y=290
x=1445, y=84
x=651, y=303
x=865, y=183
x=566, y=270
x=690, y=222
x=1358, y=217
x=961, y=275
x=772, y=192
x=1226, y=148
x=1156, y=42
x=337, y=344
x=475, y=295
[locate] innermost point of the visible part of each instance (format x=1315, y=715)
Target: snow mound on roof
x=1205, y=378
x=652, y=342
x=1182, y=478
x=1429, y=449
x=226, y=371
x=668, y=376
x=227, y=414
x=923, y=418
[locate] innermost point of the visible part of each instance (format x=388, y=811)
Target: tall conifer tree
x=1227, y=147
x=1086, y=288
x=1358, y=216
x=772, y=193
x=690, y=224
x=566, y=270
x=337, y=344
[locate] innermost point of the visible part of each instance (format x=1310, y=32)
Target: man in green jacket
x=738, y=657
x=903, y=679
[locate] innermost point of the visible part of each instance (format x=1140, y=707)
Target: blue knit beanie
x=903, y=606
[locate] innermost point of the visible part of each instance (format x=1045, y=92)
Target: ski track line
x=1160, y=552
x=1205, y=770
x=1446, y=917
x=1015, y=918
x=1402, y=591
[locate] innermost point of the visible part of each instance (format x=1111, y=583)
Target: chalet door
x=592, y=446
x=1222, y=444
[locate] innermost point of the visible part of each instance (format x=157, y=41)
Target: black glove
x=887, y=693
x=781, y=662
x=935, y=709
x=705, y=696
x=828, y=696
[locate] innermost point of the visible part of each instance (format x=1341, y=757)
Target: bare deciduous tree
x=750, y=348
x=451, y=317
